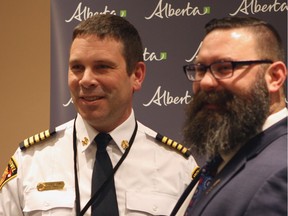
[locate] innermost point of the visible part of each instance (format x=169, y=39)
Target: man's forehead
x=228, y=44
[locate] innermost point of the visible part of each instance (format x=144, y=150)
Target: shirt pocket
x=153, y=203
x=35, y=200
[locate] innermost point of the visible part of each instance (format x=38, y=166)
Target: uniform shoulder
x=37, y=138
x=178, y=147
x=172, y=144
x=44, y=135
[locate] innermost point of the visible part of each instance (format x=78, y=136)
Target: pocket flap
x=151, y=202
x=45, y=200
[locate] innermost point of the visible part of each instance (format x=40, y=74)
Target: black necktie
x=106, y=203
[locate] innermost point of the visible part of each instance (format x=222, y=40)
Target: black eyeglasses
x=219, y=70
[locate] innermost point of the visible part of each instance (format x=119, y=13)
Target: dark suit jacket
x=254, y=182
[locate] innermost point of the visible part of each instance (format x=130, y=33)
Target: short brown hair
x=116, y=27
x=269, y=40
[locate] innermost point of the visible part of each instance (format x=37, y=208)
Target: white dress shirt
x=149, y=181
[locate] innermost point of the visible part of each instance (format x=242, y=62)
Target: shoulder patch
x=174, y=145
x=9, y=173
x=36, y=139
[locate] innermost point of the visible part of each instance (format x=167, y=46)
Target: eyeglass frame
x=233, y=63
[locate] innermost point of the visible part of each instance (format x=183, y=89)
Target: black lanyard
x=80, y=212
x=186, y=193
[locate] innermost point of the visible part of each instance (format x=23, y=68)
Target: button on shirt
x=149, y=181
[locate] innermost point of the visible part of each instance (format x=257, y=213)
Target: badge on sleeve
x=9, y=173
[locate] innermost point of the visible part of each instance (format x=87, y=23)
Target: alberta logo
x=253, y=6
x=166, y=10
x=83, y=12
x=152, y=56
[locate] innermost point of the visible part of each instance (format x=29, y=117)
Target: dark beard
x=238, y=118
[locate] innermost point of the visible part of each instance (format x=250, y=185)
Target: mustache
x=220, y=98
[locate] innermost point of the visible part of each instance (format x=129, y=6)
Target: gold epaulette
x=36, y=139
x=174, y=145
x=195, y=172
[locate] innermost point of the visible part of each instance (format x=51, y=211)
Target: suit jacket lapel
x=220, y=181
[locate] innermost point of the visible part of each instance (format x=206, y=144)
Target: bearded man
x=238, y=120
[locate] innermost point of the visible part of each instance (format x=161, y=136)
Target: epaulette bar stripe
x=173, y=144
x=195, y=172
x=35, y=139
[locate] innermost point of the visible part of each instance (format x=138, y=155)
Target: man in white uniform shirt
x=53, y=176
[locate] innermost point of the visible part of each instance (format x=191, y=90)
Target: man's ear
x=138, y=76
x=276, y=76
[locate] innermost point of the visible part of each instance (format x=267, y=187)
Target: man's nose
x=208, y=81
x=88, y=79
